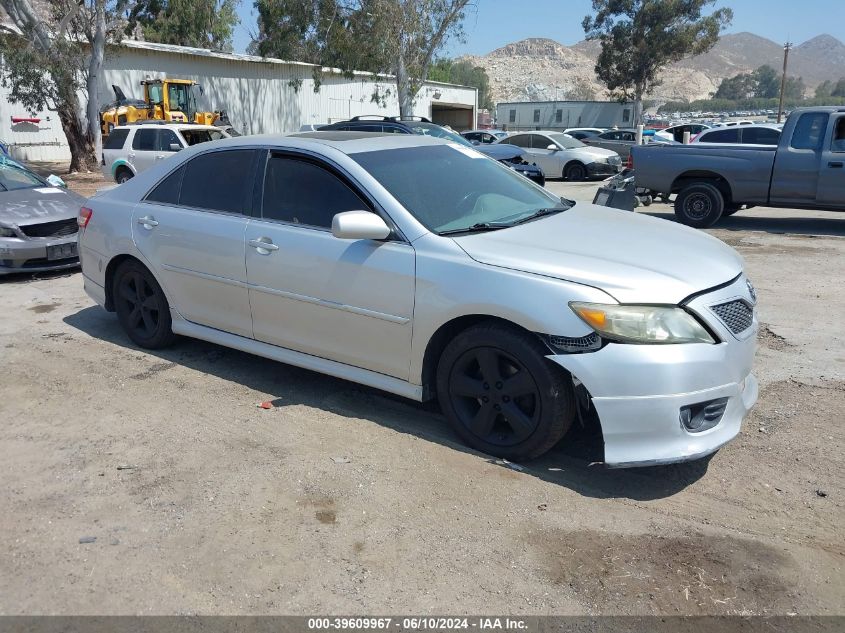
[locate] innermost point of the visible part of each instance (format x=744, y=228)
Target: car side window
x=809, y=131
x=116, y=139
x=520, y=140
x=145, y=140
x=394, y=129
x=167, y=191
x=730, y=135
x=166, y=138
x=472, y=136
x=760, y=136
x=218, y=181
x=302, y=192
x=837, y=143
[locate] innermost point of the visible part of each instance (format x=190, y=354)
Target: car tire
x=501, y=395
x=699, y=205
x=142, y=309
x=575, y=172
x=122, y=176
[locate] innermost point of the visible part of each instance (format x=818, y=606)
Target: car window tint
x=116, y=139
x=166, y=138
x=722, y=136
x=218, y=181
x=472, y=136
x=301, y=192
x=760, y=136
x=837, y=143
x=809, y=131
x=194, y=137
x=145, y=140
x=394, y=129
x=167, y=191
x=520, y=140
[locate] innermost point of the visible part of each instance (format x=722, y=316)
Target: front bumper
x=639, y=390
x=19, y=255
x=603, y=169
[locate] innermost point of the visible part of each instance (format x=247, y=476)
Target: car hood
x=41, y=204
x=634, y=258
x=500, y=151
x=596, y=153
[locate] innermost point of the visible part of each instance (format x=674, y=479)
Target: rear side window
x=721, y=136
x=837, y=143
x=301, y=192
x=116, y=139
x=167, y=191
x=520, y=140
x=145, y=140
x=809, y=131
x=760, y=136
x=166, y=138
x=218, y=181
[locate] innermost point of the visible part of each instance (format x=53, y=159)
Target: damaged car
x=417, y=266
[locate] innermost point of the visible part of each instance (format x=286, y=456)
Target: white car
x=130, y=149
x=758, y=134
x=676, y=132
x=561, y=156
x=416, y=265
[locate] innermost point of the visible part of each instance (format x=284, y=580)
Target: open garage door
x=458, y=116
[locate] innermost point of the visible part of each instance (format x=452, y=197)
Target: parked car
x=584, y=132
x=759, y=134
x=556, y=153
x=676, y=132
x=806, y=170
x=620, y=141
x=38, y=221
x=485, y=137
x=133, y=148
x=510, y=156
x=412, y=265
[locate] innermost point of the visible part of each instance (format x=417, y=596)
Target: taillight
x=629, y=164
x=84, y=217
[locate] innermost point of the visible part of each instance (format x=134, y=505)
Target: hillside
x=543, y=69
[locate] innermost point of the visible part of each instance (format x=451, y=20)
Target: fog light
x=699, y=417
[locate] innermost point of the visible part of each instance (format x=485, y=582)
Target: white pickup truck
x=806, y=170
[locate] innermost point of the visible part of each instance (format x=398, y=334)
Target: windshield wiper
x=477, y=228
x=539, y=213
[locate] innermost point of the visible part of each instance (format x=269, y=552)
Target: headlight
x=642, y=324
x=7, y=232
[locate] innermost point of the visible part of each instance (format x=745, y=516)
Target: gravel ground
x=139, y=482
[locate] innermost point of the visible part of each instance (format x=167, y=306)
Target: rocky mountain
x=539, y=69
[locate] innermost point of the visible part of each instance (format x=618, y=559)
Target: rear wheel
x=141, y=306
x=123, y=175
x=575, y=172
x=699, y=205
x=501, y=395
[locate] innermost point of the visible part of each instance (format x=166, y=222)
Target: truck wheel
x=699, y=205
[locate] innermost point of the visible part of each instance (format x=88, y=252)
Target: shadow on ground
x=571, y=464
x=779, y=224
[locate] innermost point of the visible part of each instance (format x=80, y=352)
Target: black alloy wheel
x=575, y=172
x=141, y=306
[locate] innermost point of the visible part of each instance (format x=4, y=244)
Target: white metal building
x=560, y=115
x=259, y=94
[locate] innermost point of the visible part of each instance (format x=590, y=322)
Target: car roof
x=345, y=142
x=167, y=126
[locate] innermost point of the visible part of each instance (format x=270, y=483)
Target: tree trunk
x=82, y=152
x=403, y=90
x=95, y=65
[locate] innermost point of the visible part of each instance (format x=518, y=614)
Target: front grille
x=737, y=315
x=59, y=228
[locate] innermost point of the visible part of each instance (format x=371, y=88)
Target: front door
x=351, y=301
x=831, y=190
x=795, y=178
x=546, y=159
x=190, y=230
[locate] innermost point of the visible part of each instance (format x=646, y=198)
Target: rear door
x=143, y=153
x=795, y=177
x=190, y=230
x=831, y=190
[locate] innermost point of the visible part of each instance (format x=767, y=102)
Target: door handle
x=148, y=222
x=836, y=165
x=264, y=245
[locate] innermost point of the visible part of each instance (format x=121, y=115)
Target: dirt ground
x=138, y=483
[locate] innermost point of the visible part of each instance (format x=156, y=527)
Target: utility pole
x=786, y=48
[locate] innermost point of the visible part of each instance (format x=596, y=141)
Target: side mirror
x=359, y=225
x=552, y=147
x=175, y=147
x=54, y=180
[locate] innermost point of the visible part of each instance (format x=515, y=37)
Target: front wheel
x=141, y=306
x=699, y=205
x=500, y=393
x=575, y=172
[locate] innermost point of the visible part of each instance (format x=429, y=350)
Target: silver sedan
x=422, y=268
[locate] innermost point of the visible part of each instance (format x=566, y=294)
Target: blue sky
x=494, y=23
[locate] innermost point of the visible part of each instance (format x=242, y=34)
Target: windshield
x=452, y=188
x=431, y=129
x=13, y=176
x=566, y=141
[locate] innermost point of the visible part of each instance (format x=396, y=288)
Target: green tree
x=400, y=37
x=739, y=87
x=464, y=73
x=767, y=82
x=824, y=89
x=839, y=89
x=640, y=37
x=794, y=88
x=198, y=23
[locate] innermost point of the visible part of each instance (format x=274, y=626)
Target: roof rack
x=373, y=117
x=421, y=119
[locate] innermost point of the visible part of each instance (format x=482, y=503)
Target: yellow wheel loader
x=164, y=100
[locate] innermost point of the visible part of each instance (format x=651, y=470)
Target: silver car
x=562, y=156
x=422, y=268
